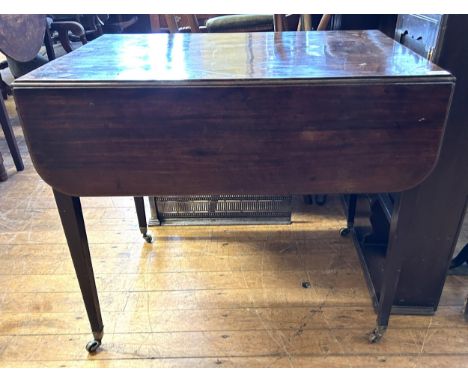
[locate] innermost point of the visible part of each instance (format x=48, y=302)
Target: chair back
x=21, y=36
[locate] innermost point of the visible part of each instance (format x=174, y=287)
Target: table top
x=260, y=113
x=233, y=59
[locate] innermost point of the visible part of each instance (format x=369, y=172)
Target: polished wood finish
x=141, y=215
x=437, y=215
x=239, y=59
x=209, y=145
x=222, y=98
x=442, y=198
x=69, y=208
x=400, y=224
x=373, y=120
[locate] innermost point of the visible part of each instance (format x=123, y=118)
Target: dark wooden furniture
x=10, y=137
x=205, y=114
x=442, y=197
x=3, y=173
x=21, y=37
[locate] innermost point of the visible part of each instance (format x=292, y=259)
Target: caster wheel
x=344, y=231
x=92, y=346
x=375, y=336
x=320, y=200
x=148, y=238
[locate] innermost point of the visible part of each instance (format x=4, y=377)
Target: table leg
x=142, y=222
x=350, y=216
x=10, y=137
x=3, y=173
x=465, y=309
x=71, y=215
x=400, y=225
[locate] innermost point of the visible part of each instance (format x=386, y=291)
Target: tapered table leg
x=10, y=137
x=350, y=215
x=142, y=222
x=71, y=215
x=400, y=225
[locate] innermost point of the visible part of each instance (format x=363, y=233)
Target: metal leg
x=400, y=225
x=71, y=216
x=351, y=215
x=10, y=137
x=142, y=222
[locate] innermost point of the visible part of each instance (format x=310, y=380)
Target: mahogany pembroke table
x=246, y=113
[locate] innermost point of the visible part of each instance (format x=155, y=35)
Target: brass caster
x=376, y=335
x=345, y=231
x=92, y=346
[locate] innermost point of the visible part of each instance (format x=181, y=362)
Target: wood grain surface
x=244, y=113
x=337, y=138
x=234, y=57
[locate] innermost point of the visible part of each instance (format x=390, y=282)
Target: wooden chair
x=214, y=24
x=21, y=38
x=235, y=23
x=304, y=23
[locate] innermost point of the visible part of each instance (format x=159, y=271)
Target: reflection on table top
x=234, y=57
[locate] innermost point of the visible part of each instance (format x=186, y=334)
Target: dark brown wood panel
x=346, y=137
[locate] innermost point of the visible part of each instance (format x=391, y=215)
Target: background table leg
x=71, y=216
x=3, y=173
x=401, y=225
x=142, y=222
x=10, y=137
x=350, y=215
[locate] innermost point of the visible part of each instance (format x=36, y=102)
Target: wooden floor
x=200, y=296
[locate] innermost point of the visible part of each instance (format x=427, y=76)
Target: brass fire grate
x=220, y=209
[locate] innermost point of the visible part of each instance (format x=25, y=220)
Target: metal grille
x=220, y=209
